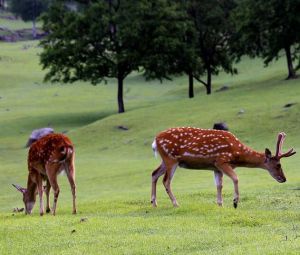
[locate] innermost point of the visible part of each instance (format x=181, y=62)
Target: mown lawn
x=114, y=166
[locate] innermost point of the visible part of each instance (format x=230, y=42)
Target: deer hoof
x=74, y=212
x=175, y=204
x=235, y=203
x=48, y=210
x=41, y=213
x=154, y=203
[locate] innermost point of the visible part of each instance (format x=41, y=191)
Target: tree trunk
x=33, y=29
x=208, y=83
x=120, y=94
x=191, y=85
x=292, y=73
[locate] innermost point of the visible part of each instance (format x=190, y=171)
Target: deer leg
x=170, y=170
x=70, y=170
x=219, y=185
x=47, y=191
x=227, y=169
x=53, y=182
x=155, y=175
x=40, y=191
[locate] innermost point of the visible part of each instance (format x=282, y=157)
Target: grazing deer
x=217, y=150
x=47, y=157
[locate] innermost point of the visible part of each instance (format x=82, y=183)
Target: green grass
x=114, y=166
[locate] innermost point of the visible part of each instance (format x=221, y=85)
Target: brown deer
x=48, y=157
x=217, y=150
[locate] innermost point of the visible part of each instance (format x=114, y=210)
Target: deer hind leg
x=219, y=185
x=52, y=170
x=47, y=191
x=227, y=169
x=170, y=170
x=70, y=170
x=155, y=175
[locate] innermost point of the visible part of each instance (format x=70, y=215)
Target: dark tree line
x=92, y=40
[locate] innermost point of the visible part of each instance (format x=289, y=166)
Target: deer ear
x=19, y=188
x=268, y=153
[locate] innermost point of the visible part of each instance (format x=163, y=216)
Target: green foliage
x=102, y=40
x=214, y=32
x=166, y=26
x=266, y=28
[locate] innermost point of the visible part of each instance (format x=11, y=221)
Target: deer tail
x=154, y=147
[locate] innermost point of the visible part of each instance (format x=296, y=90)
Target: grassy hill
x=114, y=166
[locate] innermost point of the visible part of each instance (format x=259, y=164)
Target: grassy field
x=114, y=166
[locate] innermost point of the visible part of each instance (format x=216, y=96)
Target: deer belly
x=196, y=165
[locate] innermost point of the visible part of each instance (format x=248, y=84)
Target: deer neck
x=251, y=158
x=31, y=189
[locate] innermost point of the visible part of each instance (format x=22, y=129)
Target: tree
x=266, y=28
x=2, y=4
x=199, y=41
x=214, y=32
x=170, y=41
x=29, y=10
x=100, y=41
x=106, y=39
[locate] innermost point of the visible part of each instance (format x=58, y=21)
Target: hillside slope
x=114, y=166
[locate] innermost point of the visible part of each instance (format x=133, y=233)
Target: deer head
x=272, y=163
x=28, y=201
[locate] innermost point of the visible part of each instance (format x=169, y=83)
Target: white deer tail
x=154, y=148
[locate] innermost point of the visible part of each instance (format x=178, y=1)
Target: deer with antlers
x=48, y=157
x=217, y=150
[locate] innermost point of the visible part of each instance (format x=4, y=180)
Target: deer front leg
x=155, y=175
x=227, y=169
x=219, y=185
x=170, y=170
x=47, y=191
x=40, y=191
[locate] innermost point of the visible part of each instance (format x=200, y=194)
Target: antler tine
x=291, y=152
x=280, y=139
x=279, y=154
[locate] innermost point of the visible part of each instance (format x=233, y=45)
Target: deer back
x=52, y=148
x=188, y=145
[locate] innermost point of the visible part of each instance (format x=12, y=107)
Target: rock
x=223, y=88
x=18, y=210
x=221, y=126
x=289, y=105
x=123, y=128
x=84, y=219
x=241, y=111
x=37, y=134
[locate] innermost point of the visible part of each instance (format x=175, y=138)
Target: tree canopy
x=108, y=39
x=268, y=28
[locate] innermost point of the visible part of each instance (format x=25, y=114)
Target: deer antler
x=279, y=154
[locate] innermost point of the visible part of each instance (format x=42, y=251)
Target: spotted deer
x=217, y=150
x=48, y=157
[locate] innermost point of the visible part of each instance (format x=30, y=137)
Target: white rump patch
x=154, y=148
